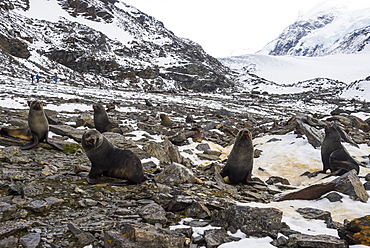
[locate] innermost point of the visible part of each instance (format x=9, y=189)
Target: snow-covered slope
x=334, y=26
x=103, y=42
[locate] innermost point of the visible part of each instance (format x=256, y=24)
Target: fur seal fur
x=102, y=122
x=17, y=132
x=38, y=126
x=108, y=160
x=165, y=120
x=334, y=155
x=239, y=165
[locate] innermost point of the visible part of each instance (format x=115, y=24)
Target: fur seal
x=108, y=160
x=165, y=120
x=17, y=132
x=102, y=122
x=39, y=126
x=334, y=155
x=239, y=165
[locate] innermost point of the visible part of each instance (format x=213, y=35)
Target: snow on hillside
x=292, y=69
x=334, y=26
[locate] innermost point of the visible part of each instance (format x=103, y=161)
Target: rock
x=7, y=152
x=166, y=152
x=350, y=184
x=214, y=237
x=317, y=241
x=30, y=240
x=334, y=197
x=153, y=213
x=314, y=136
x=84, y=238
x=178, y=139
x=175, y=174
x=37, y=206
x=258, y=222
x=114, y=239
x=68, y=131
x=9, y=227
x=275, y=180
x=356, y=231
x=85, y=120
x=316, y=214
x=9, y=242
x=197, y=210
x=203, y=147
x=7, y=211
x=309, y=193
x=146, y=235
x=32, y=189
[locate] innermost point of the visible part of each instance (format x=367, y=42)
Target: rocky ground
x=45, y=200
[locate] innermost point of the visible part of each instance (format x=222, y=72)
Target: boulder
x=356, y=231
x=153, y=213
x=317, y=241
x=175, y=174
x=351, y=185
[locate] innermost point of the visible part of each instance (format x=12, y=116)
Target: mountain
x=101, y=42
x=332, y=27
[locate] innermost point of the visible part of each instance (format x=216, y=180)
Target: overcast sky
x=225, y=28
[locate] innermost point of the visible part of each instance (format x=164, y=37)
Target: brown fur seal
x=108, y=160
x=239, y=165
x=334, y=156
x=17, y=132
x=165, y=120
x=102, y=122
x=39, y=126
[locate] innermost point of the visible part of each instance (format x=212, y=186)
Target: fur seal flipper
x=17, y=132
x=334, y=155
x=39, y=126
x=108, y=160
x=239, y=165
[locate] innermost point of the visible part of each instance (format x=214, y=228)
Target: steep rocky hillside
x=102, y=42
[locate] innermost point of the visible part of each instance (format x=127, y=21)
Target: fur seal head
x=92, y=139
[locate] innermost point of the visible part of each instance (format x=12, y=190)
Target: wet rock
x=275, y=180
x=356, y=231
x=30, y=240
x=178, y=139
x=351, y=185
x=146, y=235
x=258, y=222
x=317, y=241
x=367, y=185
x=175, y=174
x=153, y=213
x=214, y=237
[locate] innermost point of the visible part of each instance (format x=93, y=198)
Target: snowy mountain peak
x=335, y=26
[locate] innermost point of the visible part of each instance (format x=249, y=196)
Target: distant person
x=32, y=78
x=37, y=78
x=55, y=80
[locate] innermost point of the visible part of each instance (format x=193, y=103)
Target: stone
x=350, y=184
x=214, y=237
x=9, y=227
x=356, y=231
x=275, y=180
x=30, y=240
x=316, y=214
x=175, y=174
x=146, y=235
x=317, y=241
x=84, y=238
x=258, y=222
x=197, y=210
x=153, y=213
x=68, y=131
x=7, y=211
x=9, y=242
x=32, y=189
x=334, y=197
x=166, y=152
x=37, y=206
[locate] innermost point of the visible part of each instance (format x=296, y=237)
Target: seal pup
x=102, y=122
x=108, y=160
x=239, y=165
x=334, y=155
x=39, y=126
x=165, y=120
